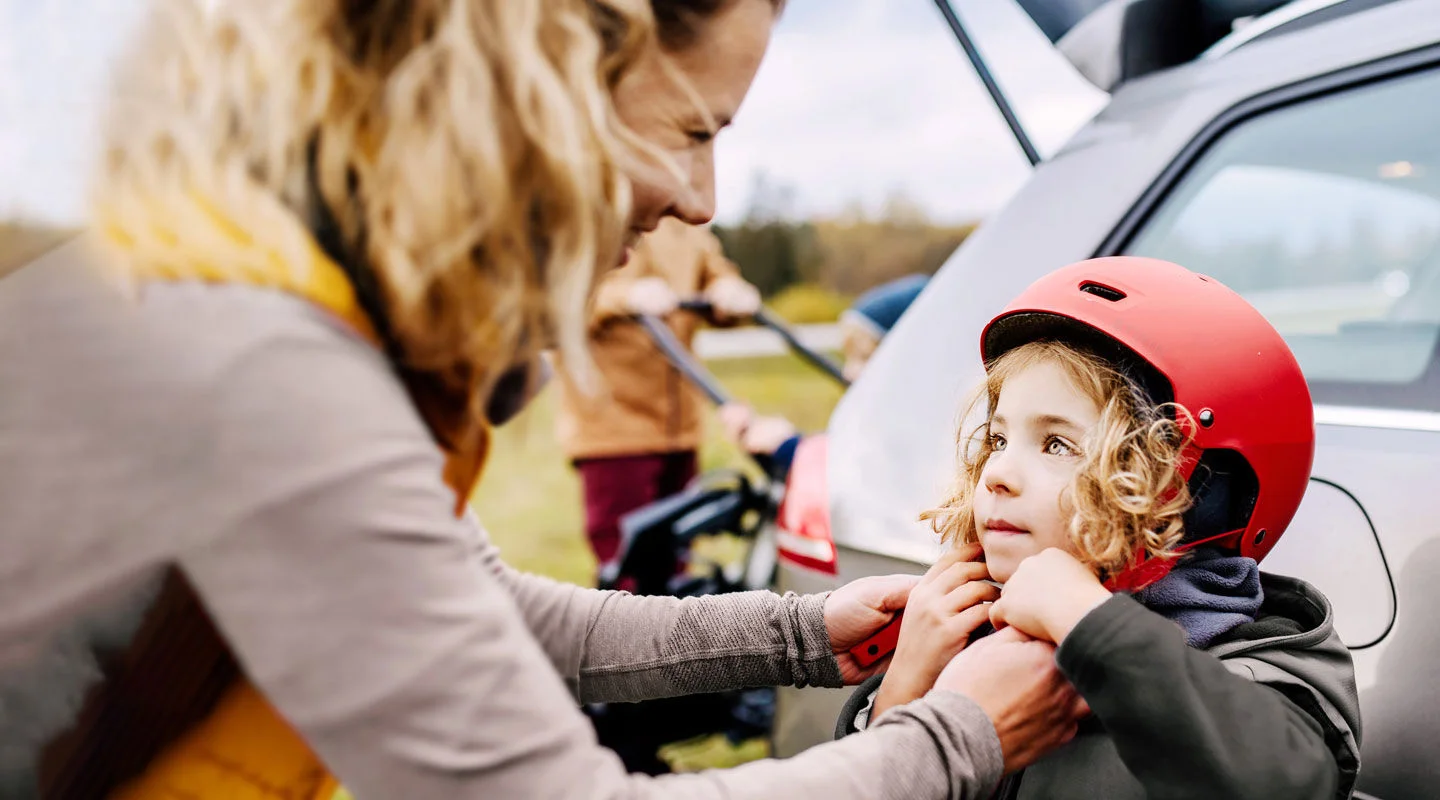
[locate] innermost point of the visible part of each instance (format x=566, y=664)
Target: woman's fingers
x=886, y=593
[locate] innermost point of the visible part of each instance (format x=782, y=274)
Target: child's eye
x=1055, y=446
x=701, y=136
x=997, y=441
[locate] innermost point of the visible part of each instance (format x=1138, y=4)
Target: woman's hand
x=1015, y=681
x=945, y=608
x=857, y=611
x=1048, y=595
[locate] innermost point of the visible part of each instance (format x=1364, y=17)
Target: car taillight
x=803, y=535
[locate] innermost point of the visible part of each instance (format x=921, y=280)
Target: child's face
x=1040, y=420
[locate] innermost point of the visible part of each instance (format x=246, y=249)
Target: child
x=866, y=323
x=1147, y=438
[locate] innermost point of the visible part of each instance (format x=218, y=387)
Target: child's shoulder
x=1293, y=616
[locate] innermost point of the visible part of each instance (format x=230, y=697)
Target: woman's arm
x=357, y=604
x=699, y=644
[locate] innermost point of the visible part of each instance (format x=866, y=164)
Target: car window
x=1326, y=215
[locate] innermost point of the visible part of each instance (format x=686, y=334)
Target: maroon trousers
x=617, y=485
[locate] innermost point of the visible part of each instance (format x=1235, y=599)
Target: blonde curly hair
x=467, y=152
x=1128, y=495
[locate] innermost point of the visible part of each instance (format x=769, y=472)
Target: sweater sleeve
x=700, y=644
x=1184, y=725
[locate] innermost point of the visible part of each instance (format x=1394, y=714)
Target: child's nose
x=1000, y=476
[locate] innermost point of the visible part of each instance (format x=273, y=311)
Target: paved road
x=755, y=341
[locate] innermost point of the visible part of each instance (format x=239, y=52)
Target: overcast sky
x=857, y=99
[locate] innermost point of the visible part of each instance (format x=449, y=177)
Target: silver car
x=1297, y=160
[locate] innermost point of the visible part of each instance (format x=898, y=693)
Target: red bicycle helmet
x=1189, y=339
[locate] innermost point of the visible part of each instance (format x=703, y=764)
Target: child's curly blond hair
x=1128, y=495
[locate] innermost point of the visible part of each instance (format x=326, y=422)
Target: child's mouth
x=1000, y=526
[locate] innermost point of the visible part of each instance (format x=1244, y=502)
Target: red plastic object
x=803, y=522
x=880, y=645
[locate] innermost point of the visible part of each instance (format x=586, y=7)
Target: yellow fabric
x=245, y=750
x=319, y=280
x=242, y=751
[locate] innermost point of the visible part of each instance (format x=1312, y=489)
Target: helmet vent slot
x=1105, y=292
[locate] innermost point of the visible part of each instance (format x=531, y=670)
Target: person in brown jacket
x=635, y=438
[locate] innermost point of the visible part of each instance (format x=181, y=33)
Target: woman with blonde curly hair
x=1146, y=437
x=238, y=439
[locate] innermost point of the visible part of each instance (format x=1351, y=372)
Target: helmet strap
x=1145, y=571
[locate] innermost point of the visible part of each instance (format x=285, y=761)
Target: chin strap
x=1145, y=571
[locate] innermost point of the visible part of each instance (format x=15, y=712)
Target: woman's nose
x=696, y=203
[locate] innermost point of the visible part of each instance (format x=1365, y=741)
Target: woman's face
x=1040, y=420
x=718, y=66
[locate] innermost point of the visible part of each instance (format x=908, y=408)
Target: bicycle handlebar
x=768, y=319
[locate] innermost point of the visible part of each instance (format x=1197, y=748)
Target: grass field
x=529, y=499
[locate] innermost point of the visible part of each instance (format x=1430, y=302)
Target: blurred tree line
x=842, y=256
x=808, y=269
